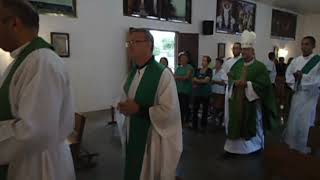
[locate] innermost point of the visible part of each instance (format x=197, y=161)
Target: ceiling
x=299, y=6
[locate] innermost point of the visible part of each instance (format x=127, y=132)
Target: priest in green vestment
x=150, y=103
x=251, y=101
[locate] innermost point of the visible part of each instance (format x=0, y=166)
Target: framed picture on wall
x=177, y=10
x=171, y=10
x=141, y=8
x=221, y=50
x=275, y=51
x=61, y=43
x=284, y=25
x=235, y=16
x=64, y=7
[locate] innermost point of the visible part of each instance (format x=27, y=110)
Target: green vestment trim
x=139, y=127
x=5, y=105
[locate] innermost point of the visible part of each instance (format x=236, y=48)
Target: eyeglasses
x=134, y=42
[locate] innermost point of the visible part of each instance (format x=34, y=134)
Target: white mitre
x=248, y=39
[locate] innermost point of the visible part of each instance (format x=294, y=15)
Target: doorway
x=164, y=46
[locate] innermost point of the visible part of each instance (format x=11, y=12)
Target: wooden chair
x=318, y=113
x=81, y=157
x=76, y=136
x=280, y=161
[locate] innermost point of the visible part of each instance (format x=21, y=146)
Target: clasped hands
x=128, y=107
x=240, y=83
x=298, y=75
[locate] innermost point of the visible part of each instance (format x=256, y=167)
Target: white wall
x=98, y=61
x=311, y=27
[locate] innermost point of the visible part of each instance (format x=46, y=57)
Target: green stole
x=139, y=127
x=242, y=113
x=305, y=70
x=311, y=64
x=6, y=113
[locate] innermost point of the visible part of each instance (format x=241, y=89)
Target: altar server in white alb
x=154, y=140
x=303, y=76
x=36, y=106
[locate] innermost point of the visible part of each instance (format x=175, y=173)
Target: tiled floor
x=200, y=160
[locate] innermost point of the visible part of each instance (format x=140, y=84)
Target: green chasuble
x=242, y=113
x=5, y=106
x=139, y=127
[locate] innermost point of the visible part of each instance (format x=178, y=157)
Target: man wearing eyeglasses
x=36, y=106
x=150, y=102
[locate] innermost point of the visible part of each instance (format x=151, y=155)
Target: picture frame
x=61, y=43
x=221, y=50
x=164, y=10
x=241, y=15
x=275, y=51
x=283, y=25
x=66, y=7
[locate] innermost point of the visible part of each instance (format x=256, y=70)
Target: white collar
x=249, y=63
x=14, y=54
x=238, y=57
x=308, y=57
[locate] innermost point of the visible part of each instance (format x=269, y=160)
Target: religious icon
x=284, y=24
x=172, y=10
x=235, y=16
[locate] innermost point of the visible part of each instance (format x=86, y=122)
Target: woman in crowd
x=202, y=92
x=219, y=80
x=183, y=76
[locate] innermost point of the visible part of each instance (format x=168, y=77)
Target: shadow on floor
x=201, y=159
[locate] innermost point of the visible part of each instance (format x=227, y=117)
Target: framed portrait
x=63, y=7
x=235, y=16
x=177, y=10
x=61, y=43
x=276, y=50
x=168, y=10
x=221, y=50
x=283, y=25
x=141, y=8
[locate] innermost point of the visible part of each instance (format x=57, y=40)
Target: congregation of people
x=290, y=102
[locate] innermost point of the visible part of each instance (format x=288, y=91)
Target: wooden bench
x=81, y=157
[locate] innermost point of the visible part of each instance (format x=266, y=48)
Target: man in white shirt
x=270, y=64
x=37, y=111
x=236, y=50
x=227, y=66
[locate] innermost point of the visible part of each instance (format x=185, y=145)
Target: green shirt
x=185, y=86
x=203, y=90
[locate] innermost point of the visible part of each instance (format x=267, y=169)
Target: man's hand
x=298, y=75
x=128, y=107
x=240, y=83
